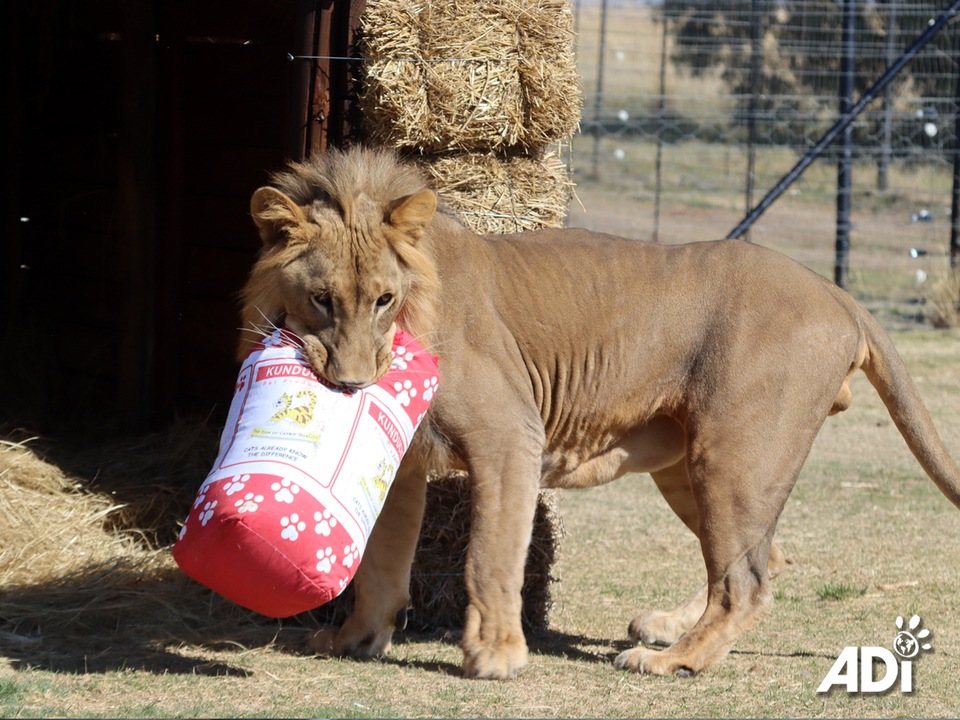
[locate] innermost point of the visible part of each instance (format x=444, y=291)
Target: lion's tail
x=888, y=374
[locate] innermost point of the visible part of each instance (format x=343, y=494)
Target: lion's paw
x=322, y=641
x=651, y=662
x=494, y=663
x=353, y=640
x=657, y=628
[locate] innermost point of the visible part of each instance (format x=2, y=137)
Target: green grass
x=839, y=591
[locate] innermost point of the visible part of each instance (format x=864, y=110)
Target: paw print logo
x=400, y=358
x=292, y=527
x=326, y=558
x=429, y=388
x=350, y=555
x=236, y=484
x=285, y=490
x=325, y=521
x=207, y=512
x=200, y=498
x=249, y=502
x=405, y=391
x=906, y=644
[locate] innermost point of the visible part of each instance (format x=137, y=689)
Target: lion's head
x=342, y=262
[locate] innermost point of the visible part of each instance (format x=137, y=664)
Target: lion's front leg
x=504, y=497
x=382, y=582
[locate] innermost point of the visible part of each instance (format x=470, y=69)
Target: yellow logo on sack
x=301, y=415
x=379, y=482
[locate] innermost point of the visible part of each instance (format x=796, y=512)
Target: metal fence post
x=661, y=106
x=841, y=267
x=955, y=200
x=598, y=102
x=886, y=113
x=756, y=32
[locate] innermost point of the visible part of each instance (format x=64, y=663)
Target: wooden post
x=301, y=80
x=136, y=201
x=324, y=87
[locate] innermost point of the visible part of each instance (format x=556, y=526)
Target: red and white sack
x=281, y=522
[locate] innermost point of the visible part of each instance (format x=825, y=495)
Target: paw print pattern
x=327, y=559
x=236, y=484
x=429, y=388
x=285, y=490
x=249, y=502
x=405, y=391
x=200, y=498
x=401, y=356
x=350, y=555
x=207, y=512
x=325, y=521
x=292, y=527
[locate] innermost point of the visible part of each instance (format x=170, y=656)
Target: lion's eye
x=384, y=300
x=322, y=300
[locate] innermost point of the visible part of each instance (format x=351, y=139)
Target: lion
x=567, y=359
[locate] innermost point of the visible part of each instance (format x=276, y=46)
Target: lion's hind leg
x=740, y=481
x=665, y=627
x=736, y=601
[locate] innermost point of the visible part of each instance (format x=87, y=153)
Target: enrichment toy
x=281, y=522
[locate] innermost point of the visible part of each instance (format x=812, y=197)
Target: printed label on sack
x=337, y=445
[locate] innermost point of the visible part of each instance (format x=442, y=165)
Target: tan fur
x=568, y=359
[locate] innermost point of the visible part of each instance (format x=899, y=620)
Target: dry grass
x=946, y=300
x=490, y=193
x=79, y=565
x=491, y=76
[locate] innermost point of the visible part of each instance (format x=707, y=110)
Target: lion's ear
x=274, y=213
x=411, y=214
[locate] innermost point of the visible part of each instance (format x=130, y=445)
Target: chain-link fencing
x=694, y=109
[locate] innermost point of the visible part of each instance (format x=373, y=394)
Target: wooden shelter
x=134, y=135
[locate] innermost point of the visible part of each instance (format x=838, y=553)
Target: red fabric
x=278, y=557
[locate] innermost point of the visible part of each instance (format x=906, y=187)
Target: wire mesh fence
x=695, y=108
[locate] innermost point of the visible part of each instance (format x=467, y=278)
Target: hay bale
x=467, y=76
x=79, y=590
x=495, y=194
x=438, y=596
